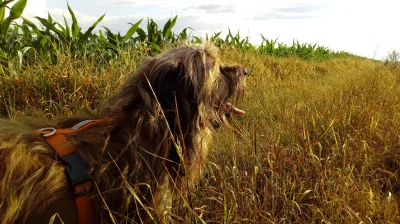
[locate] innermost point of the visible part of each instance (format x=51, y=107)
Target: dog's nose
x=245, y=72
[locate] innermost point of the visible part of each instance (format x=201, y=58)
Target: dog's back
x=29, y=178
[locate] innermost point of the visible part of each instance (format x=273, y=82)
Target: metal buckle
x=81, y=124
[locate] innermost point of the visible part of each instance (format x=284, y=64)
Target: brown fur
x=158, y=135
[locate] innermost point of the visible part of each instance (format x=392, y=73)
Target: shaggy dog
x=155, y=137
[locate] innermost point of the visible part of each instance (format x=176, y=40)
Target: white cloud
x=35, y=8
x=213, y=8
x=136, y=3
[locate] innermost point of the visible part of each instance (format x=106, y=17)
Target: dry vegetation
x=319, y=141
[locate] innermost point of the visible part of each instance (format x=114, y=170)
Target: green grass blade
x=132, y=30
x=75, y=26
x=67, y=29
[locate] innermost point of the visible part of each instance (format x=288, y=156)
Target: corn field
x=25, y=43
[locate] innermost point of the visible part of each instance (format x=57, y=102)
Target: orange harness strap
x=77, y=170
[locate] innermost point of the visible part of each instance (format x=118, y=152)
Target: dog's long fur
x=162, y=119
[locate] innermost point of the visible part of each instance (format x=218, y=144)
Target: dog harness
x=76, y=169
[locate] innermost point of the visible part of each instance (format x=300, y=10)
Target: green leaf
x=86, y=35
x=102, y=37
x=132, y=30
x=25, y=29
x=108, y=30
x=4, y=26
x=112, y=47
x=5, y=3
x=15, y=12
x=75, y=26
x=197, y=40
x=49, y=18
x=183, y=35
x=215, y=36
x=152, y=31
x=167, y=30
x=62, y=29
x=67, y=29
x=141, y=33
x=20, y=58
x=33, y=27
x=110, y=36
x=51, y=27
x=155, y=47
x=43, y=41
x=17, y=9
x=25, y=49
x=3, y=8
x=174, y=21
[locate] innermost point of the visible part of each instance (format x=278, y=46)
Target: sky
x=368, y=28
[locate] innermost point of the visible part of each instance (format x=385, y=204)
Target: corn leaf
x=132, y=30
x=50, y=26
x=15, y=12
x=75, y=26
x=33, y=27
x=67, y=29
x=141, y=33
x=17, y=9
x=167, y=30
x=3, y=8
x=86, y=35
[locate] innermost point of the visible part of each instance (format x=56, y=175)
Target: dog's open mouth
x=225, y=112
x=234, y=110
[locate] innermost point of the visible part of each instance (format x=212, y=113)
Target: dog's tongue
x=235, y=110
x=238, y=111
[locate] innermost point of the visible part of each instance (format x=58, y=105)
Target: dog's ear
x=176, y=94
x=182, y=79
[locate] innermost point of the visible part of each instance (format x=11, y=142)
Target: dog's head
x=186, y=86
x=191, y=84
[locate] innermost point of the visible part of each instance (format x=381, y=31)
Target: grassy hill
x=319, y=141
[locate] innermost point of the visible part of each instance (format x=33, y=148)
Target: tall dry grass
x=319, y=142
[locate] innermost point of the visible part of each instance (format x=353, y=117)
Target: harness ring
x=53, y=131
